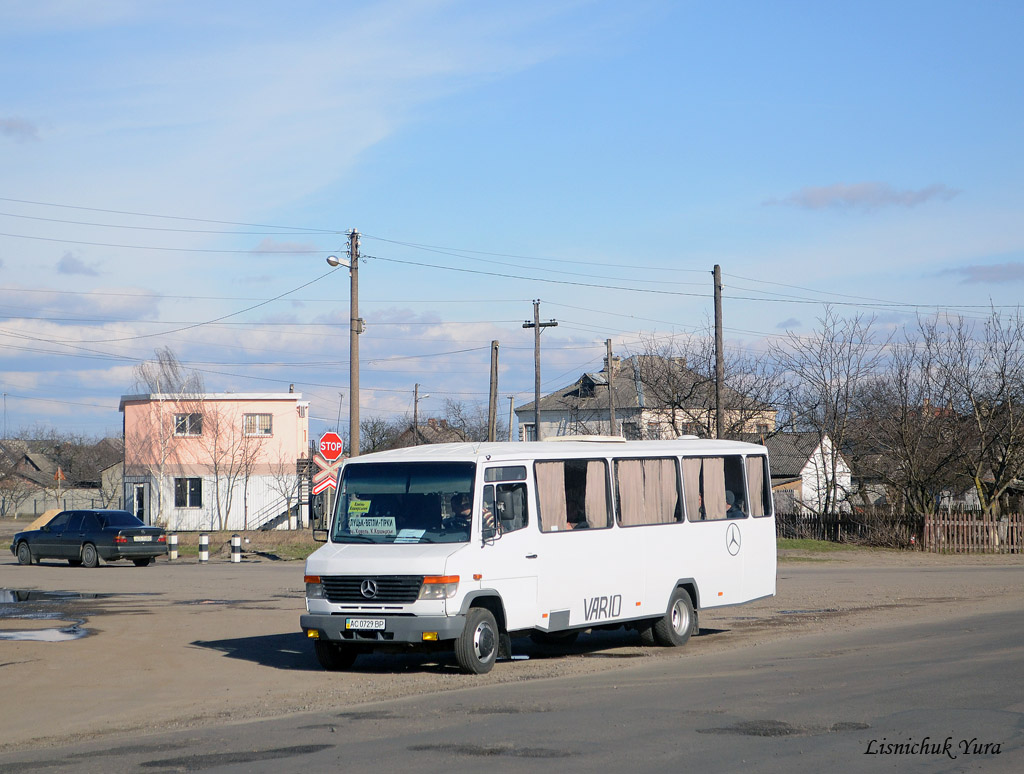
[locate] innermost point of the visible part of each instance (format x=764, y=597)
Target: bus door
x=509, y=564
x=585, y=576
x=716, y=503
x=760, y=549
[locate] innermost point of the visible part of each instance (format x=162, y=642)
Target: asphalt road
x=943, y=672
x=815, y=703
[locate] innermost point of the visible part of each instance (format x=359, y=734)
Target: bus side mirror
x=320, y=535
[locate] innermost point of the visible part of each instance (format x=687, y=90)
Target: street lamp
x=355, y=328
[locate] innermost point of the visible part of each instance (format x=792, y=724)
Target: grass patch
x=817, y=546
x=282, y=544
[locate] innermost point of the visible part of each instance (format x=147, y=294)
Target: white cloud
x=864, y=196
x=18, y=129
x=70, y=264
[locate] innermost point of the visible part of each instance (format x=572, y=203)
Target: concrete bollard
x=204, y=548
x=172, y=546
x=236, y=549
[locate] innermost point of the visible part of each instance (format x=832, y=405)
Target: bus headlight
x=439, y=587
x=314, y=588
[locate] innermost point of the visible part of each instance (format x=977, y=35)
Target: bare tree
x=470, y=419
x=678, y=377
x=151, y=447
x=907, y=437
x=825, y=377
x=985, y=375
x=229, y=453
x=378, y=433
x=284, y=479
x=15, y=489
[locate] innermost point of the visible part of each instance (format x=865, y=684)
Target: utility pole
x=511, y=405
x=492, y=402
x=537, y=325
x=416, y=415
x=356, y=327
x=610, y=368
x=719, y=355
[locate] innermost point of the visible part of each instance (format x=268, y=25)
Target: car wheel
x=24, y=553
x=142, y=562
x=89, y=556
x=333, y=656
x=674, y=628
x=477, y=646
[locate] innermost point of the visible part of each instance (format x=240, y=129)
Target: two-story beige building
x=214, y=460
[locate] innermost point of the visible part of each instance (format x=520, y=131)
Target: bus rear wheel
x=675, y=627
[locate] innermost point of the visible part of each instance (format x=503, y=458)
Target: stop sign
x=330, y=446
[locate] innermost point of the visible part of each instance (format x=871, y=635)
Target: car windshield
x=120, y=519
x=404, y=502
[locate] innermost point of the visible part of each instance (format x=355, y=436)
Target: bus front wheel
x=477, y=646
x=674, y=628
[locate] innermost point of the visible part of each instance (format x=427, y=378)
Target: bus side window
x=715, y=488
x=573, y=494
x=758, y=486
x=647, y=491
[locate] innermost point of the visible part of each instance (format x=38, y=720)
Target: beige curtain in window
x=551, y=491
x=660, y=491
x=630, y=483
x=597, y=494
x=691, y=487
x=755, y=485
x=714, y=487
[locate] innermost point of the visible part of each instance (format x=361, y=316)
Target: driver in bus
x=462, y=514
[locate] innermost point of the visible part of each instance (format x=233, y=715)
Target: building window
x=258, y=424
x=529, y=432
x=188, y=493
x=188, y=424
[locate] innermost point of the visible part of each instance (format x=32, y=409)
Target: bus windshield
x=404, y=502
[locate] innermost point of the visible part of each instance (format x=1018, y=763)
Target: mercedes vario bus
x=463, y=546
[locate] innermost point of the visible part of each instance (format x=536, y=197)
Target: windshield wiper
x=354, y=539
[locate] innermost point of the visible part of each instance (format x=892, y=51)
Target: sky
x=174, y=175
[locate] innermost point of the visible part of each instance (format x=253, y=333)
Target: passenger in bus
x=733, y=512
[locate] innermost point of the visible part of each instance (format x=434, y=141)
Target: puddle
x=23, y=605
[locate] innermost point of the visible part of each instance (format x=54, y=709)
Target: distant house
x=802, y=473
x=214, y=461
x=654, y=397
x=38, y=475
x=434, y=431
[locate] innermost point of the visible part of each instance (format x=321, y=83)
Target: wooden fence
x=969, y=533
x=959, y=533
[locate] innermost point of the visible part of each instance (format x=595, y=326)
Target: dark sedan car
x=85, y=537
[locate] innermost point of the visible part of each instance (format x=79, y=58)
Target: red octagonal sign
x=330, y=446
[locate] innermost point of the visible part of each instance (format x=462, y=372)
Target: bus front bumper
x=383, y=630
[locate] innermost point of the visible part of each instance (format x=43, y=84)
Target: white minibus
x=463, y=546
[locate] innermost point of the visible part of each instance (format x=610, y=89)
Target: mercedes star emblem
x=368, y=588
x=733, y=539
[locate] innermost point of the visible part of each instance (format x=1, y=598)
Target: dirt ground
x=182, y=644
